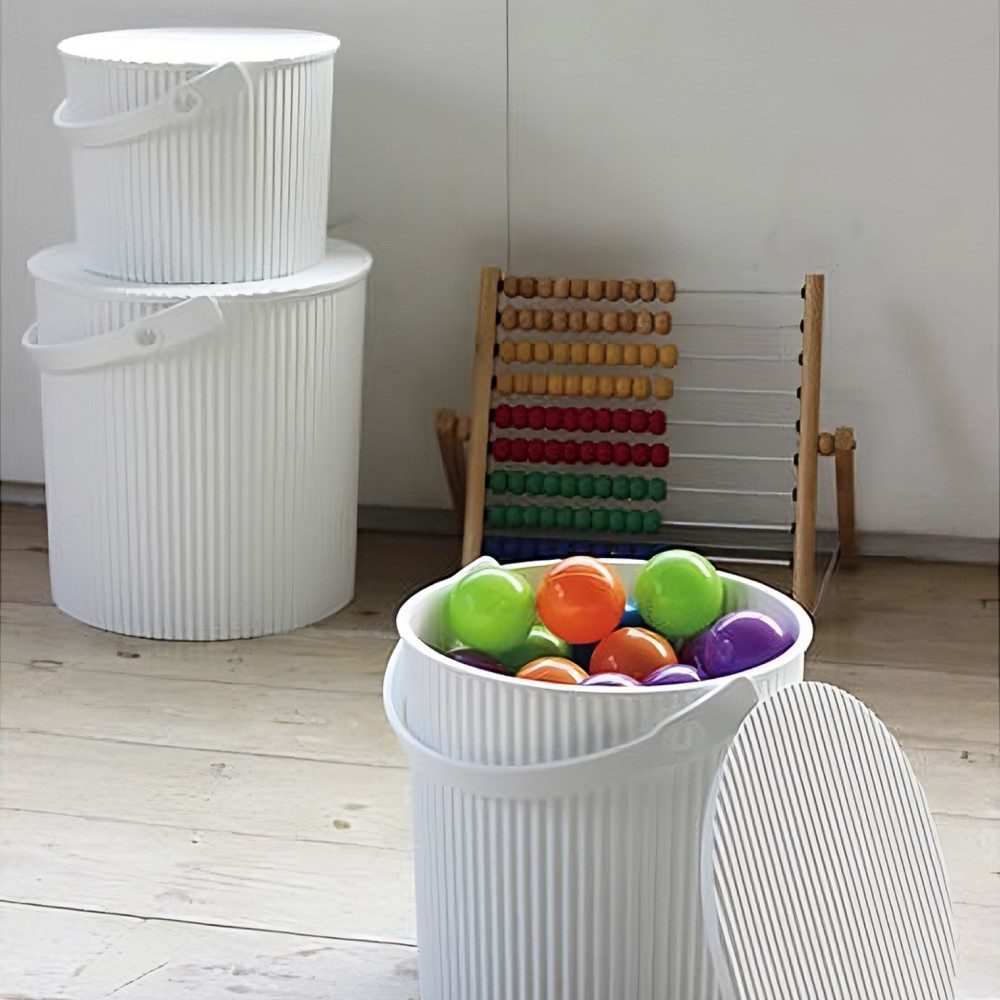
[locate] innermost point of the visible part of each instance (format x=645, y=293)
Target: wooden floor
x=201, y=820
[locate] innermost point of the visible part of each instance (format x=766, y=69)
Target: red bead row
x=584, y=418
x=553, y=452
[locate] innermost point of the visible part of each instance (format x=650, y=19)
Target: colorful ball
x=580, y=600
x=675, y=673
x=539, y=643
x=473, y=658
x=633, y=651
x=679, y=593
x=490, y=610
x=610, y=680
x=737, y=642
x=553, y=669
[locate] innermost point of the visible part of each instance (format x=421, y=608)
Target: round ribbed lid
x=343, y=264
x=822, y=877
x=200, y=46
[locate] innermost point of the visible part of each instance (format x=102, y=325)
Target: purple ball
x=482, y=661
x=673, y=673
x=610, y=680
x=737, y=642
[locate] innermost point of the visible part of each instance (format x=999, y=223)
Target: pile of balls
x=580, y=628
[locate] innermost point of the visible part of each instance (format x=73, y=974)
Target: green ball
x=534, y=483
x=531, y=516
x=513, y=517
x=599, y=519
x=515, y=482
x=651, y=521
x=567, y=486
x=494, y=517
x=540, y=642
x=638, y=488
x=602, y=486
x=633, y=522
x=616, y=520
x=620, y=488
x=581, y=519
x=490, y=610
x=564, y=518
x=498, y=481
x=679, y=593
x=657, y=489
x=547, y=517
x=585, y=486
x=551, y=485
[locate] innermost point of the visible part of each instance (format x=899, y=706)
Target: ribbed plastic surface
x=237, y=194
x=474, y=716
x=211, y=492
x=823, y=865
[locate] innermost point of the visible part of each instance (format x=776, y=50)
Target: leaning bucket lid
x=822, y=876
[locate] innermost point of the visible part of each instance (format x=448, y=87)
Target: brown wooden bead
x=510, y=286
x=543, y=319
x=665, y=291
x=595, y=290
x=507, y=351
x=537, y=384
x=648, y=355
x=623, y=386
x=588, y=386
x=663, y=388
x=605, y=386
x=578, y=288
x=826, y=444
x=523, y=352
x=525, y=319
x=526, y=287
x=555, y=386
x=626, y=321
x=640, y=387
x=505, y=383
x=560, y=288
x=560, y=354
x=609, y=322
x=572, y=385
x=593, y=321
x=576, y=321
x=578, y=353
x=630, y=290
x=661, y=322
x=560, y=321
x=595, y=354
x=630, y=355
x=508, y=318
x=644, y=322
x=542, y=352
x=647, y=291
x=613, y=354
x=544, y=288
x=668, y=355
x=612, y=290
x=522, y=383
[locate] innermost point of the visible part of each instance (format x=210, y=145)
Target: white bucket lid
x=200, y=46
x=342, y=265
x=821, y=871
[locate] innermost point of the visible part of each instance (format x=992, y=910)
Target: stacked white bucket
x=558, y=830
x=200, y=344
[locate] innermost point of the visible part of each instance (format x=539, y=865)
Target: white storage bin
x=199, y=154
x=201, y=446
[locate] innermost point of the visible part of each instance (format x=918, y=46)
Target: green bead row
x=570, y=485
x=634, y=522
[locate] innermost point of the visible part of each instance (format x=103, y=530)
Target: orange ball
x=553, y=669
x=633, y=651
x=580, y=600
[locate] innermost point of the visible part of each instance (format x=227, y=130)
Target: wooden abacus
x=534, y=384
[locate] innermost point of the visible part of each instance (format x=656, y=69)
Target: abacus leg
x=843, y=457
x=446, y=425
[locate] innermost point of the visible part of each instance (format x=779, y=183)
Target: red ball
x=659, y=455
x=588, y=452
x=602, y=419
x=570, y=452
x=580, y=600
x=501, y=449
x=622, y=454
x=638, y=421
x=636, y=652
x=501, y=416
x=619, y=421
x=605, y=452
x=536, y=450
x=570, y=419
x=586, y=415
x=640, y=454
x=518, y=450
x=536, y=417
x=553, y=418
x=519, y=416
x=657, y=422
x=553, y=452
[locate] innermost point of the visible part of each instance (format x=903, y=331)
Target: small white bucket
x=201, y=446
x=475, y=716
x=199, y=154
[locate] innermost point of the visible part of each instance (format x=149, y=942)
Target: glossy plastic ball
x=540, y=642
x=553, y=669
x=676, y=673
x=580, y=600
x=737, y=642
x=491, y=610
x=636, y=652
x=679, y=593
x=473, y=658
x=610, y=680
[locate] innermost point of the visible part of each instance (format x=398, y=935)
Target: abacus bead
x=573, y=385
x=616, y=521
x=612, y=290
x=609, y=322
x=663, y=388
x=588, y=452
x=602, y=419
x=593, y=321
x=515, y=482
x=599, y=519
x=570, y=419
x=498, y=481
x=661, y=322
x=536, y=417
x=657, y=489
x=619, y=487
x=657, y=422
x=578, y=288
x=525, y=317
x=502, y=416
x=668, y=355
x=507, y=351
x=626, y=321
x=513, y=517
x=564, y=517
x=535, y=384
x=630, y=290
x=544, y=288
x=578, y=353
x=547, y=517
x=531, y=516
x=560, y=288
x=638, y=421
x=640, y=387
x=519, y=416
x=647, y=291
x=494, y=517
x=602, y=486
x=551, y=484
x=553, y=418
x=581, y=519
x=651, y=521
x=576, y=321
x=533, y=484
x=554, y=385
x=508, y=318
x=605, y=452
x=543, y=319
x=505, y=384
x=665, y=291
x=605, y=386
x=518, y=450
x=585, y=417
x=640, y=453
x=633, y=522
x=560, y=354
x=526, y=287
x=541, y=351
x=613, y=354
x=567, y=486
x=559, y=321
x=659, y=455
x=630, y=355
x=622, y=454
x=553, y=452
x=638, y=488
x=619, y=420
x=595, y=354
x=647, y=355
x=595, y=290
x=536, y=450
x=523, y=351
x=585, y=483
x=623, y=386
x=588, y=386
x=501, y=449
x=644, y=322
x=570, y=452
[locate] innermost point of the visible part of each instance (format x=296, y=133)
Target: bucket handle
x=710, y=721
x=201, y=94
x=139, y=340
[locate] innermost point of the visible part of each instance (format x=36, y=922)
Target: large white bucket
x=201, y=446
x=199, y=154
x=471, y=715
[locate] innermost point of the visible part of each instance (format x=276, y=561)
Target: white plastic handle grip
x=139, y=340
x=201, y=94
x=709, y=722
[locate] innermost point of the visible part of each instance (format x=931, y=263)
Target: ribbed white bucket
x=201, y=446
x=199, y=154
x=479, y=717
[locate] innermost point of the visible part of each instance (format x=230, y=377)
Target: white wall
x=733, y=146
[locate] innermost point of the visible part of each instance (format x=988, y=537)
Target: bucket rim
x=408, y=635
